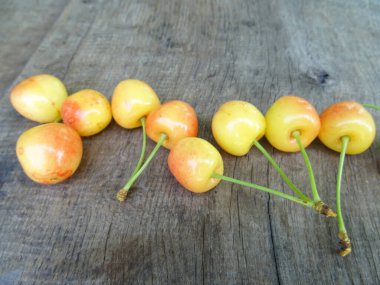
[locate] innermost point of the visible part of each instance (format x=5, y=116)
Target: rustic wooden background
x=204, y=52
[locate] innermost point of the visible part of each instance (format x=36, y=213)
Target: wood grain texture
x=204, y=52
x=21, y=31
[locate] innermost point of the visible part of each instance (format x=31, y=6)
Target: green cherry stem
x=297, y=136
x=282, y=174
x=319, y=205
x=142, y=154
x=343, y=236
x=264, y=189
x=372, y=106
x=122, y=194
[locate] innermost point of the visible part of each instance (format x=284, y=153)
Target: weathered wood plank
x=21, y=31
x=206, y=53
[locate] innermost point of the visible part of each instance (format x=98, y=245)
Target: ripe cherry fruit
x=39, y=98
x=347, y=127
x=236, y=126
x=288, y=115
x=132, y=101
x=87, y=111
x=173, y=120
x=49, y=153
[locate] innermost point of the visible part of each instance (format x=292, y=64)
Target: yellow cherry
x=39, y=98
x=87, y=111
x=288, y=115
x=347, y=119
x=236, y=125
x=132, y=100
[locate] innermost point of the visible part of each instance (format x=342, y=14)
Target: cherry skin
x=39, y=98
x=49, y=153
x=176, y=119
x=193, y=161
x=132, y=100
x=87, y=111
x=351, y=119
x=236, y=125
x=287, y=115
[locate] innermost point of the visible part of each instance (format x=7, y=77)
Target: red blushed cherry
x=193, y=162
x=49, y=153
x=87, y=111
x=175, y=119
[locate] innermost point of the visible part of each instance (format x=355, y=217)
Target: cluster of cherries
x=50, y=153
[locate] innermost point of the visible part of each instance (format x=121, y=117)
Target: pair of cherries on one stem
x=135, y=104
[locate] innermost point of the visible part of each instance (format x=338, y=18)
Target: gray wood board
x=205, y=53
x=23, y=26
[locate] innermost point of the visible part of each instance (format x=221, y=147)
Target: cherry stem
x=282, y=174
x=297, y=136
x=264, y=189
x=344, y=240
x=142, y=154
x=122, y=194
x=372, y=106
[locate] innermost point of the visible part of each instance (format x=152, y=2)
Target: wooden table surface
x=205, y=52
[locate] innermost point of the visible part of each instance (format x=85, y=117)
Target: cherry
x=236, y=126
x=175, y=119
x=49, y=153
x=351, y=119
x=348, y=128
x=133, y=100
x=287, y=115
x=87, y=111
x=39, y=98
